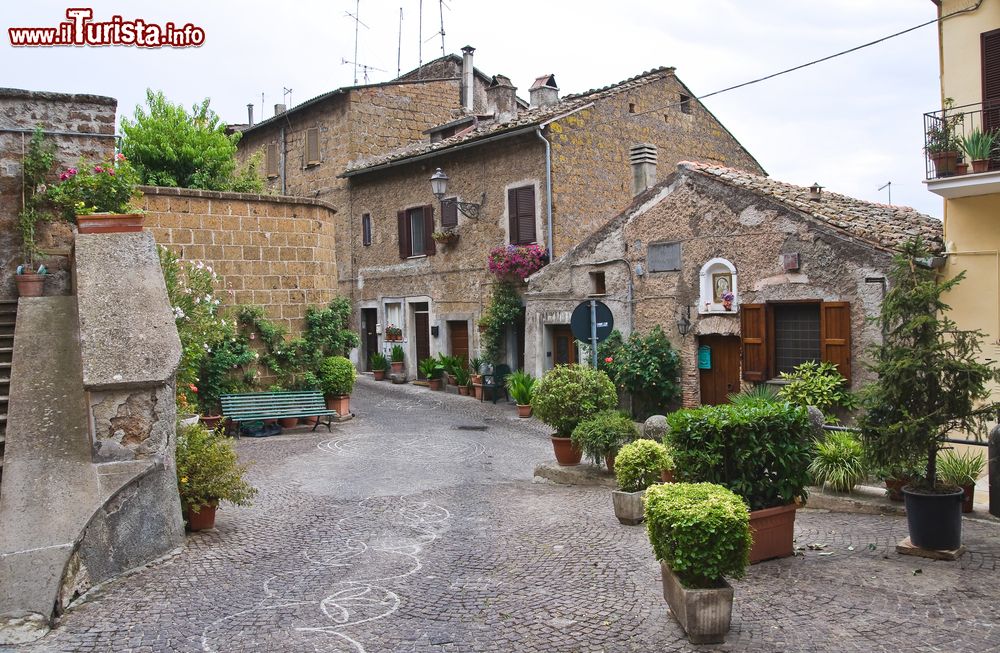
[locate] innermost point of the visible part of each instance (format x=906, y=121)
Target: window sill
x=719, y=311
x=416, y=256
x=598, y=294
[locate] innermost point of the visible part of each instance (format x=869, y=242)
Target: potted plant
x=396, y=357
x=838, y=462
x=379, y=365
x=963, y=470
x=393, y=333
x=931, y=382
x=445, y=237
x=566, y=395
x=98, y=197
x=208, y=472
x=38, y=159
x=761, y=450
x=978, y=146
x=336, y=377
x=431, y=370
x=601, y=435
x=448, y=366
x=637, y=467
x=942, y=144
x=476, y=370
x=520, y=385
x=700, y=534
x=462, y=380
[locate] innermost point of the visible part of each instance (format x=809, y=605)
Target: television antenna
x=399, y=46
x=888, y=185
x=357, y=23
x=364, y=69
x=286, y=93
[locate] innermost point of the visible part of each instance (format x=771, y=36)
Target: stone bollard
x=654, y=428
x=994, y=470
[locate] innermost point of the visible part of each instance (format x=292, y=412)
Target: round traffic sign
x=579, y=323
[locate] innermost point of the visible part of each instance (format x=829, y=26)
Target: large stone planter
x=773, y=531
x=704, y=614
x=628, y=506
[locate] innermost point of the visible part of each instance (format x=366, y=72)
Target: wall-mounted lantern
x=684, y=321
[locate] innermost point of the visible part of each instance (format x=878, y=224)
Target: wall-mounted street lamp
x=684, y=321
x=439, y=186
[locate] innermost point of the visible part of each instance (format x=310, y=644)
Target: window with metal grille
x=271, y=160
x=663, y=257
x=796, y=335
x=521, y=213
x=312, y=146
x=366, y=229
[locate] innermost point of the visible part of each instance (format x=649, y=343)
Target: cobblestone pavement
x=416, y=527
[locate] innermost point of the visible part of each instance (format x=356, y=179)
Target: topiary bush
x=700, y=530
x=838, y=462
x=569, y=393
x=761, y=451
x=336, y=376
x=603, y=433
x=638, y=464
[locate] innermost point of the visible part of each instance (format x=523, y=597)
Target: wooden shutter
x=521, y=214
x=366, y=229
x=835, y=335
x=990, y=53
x=271, y=162
x=449, y=214
x=753, y=331
x=404, y=234
x=312, y=146
x=430, y=248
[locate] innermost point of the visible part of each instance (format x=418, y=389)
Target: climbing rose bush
x=519, y=261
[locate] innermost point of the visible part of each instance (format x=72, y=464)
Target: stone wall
x=271, y=251
x=81, y=126
x=591, y=173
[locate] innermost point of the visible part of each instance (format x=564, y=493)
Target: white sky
x=852, y=124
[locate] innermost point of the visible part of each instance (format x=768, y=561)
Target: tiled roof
x=884, y=225
x=525, y=118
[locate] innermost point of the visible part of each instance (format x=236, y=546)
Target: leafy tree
x=930, y=378
x=818, y=384
x=171, y=146
x=645, y=366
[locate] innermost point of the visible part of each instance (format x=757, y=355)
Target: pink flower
x=119, y=157
x=609, y=359
x=64, y=176
x=72, y=171
x=98, y=169
x=111, y=172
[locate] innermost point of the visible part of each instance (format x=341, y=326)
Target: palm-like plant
x=520, y=385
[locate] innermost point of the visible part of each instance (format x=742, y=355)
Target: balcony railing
x=947, y=133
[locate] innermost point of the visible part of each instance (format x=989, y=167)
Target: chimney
x=501, y=99
x=816, y=192
x=643, y=159
x=544, y=92
x=468, y=88
x=279, y=109
x=250, y=115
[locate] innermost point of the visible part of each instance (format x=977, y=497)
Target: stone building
x=807, y=269
x=549, y=174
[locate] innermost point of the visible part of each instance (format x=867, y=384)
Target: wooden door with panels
x=369, y=318
x=719, y=368
x=458, y=338
x=563, y=345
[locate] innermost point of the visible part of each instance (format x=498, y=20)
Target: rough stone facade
x=271, y=251
x=81, y=126
x=711, y=219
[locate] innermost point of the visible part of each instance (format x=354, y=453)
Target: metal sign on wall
x=704, y=357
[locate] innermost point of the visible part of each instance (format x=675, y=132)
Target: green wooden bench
x=253, y=406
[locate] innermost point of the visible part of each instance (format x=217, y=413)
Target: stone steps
x=8, y=318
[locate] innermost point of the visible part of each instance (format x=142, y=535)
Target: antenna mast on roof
x=286, y=93
x=888, y=185
x=441, y=11
x=420, y=39
x=357, y=22
x=364, y=68
x=399, y=46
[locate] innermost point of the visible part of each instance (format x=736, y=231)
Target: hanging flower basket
x=445, y=237
x=517, y=262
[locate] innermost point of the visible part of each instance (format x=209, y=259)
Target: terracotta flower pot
x=895, y=488
x=339, y=403
x=961, y=168
x=397, y=367
x=450, y=378
x=463, y=390
x=201, y=520
x=309, y=421
x=109, y=223
x=524, y=410
x=379, y=375
x=980, y=165
x=773, y=531
x=435, y=384
x=30, y=285
x=288, y=422
x=477, y=390
x=211, y=422
x=944, y=163
x=477, y=378
x=567, y=454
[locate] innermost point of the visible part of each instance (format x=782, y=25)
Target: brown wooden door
x=458, y=337
x=422, y=335
x=369, y=316
x=723, y=378
x=563, y=345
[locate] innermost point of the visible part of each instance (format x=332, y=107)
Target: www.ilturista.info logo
x=81, y=30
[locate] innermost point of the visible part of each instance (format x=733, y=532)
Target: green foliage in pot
x=978, y=145
x=521, y=385
x=430, y=368
x=337, y=375
x=648, y=368
x=568, y=394
x=838, y=462
x=639, y=463
x=397, y=355
x=700, y=530
x=208, y=470
x=602, y=434
x=942, y=135
x=462, y=376
x=818, y=384
x=759, y=451
x=103, y=187
x=475, y=365
x=960, y=468
x=931, y=379
x=450, y=364
x=379, y=362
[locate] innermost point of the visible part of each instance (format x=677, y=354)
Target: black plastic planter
x=935, y=520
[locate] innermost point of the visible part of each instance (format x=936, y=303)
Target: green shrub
x=638, y=464
x=397, y=355
x=475, y=365
x=570, y=393
x=960, y=469
x=754, y=395
x=431, y=368
x=450, y=364
x=700, y=530
x=647, y=367
x=379, y=362
x=521, y=385
x=759, y=451
x=838, y=462
x=336, y=376
x=462, y=376
x=603, y=434
x=819, y=385
x=208, y=470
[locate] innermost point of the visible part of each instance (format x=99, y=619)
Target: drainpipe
x=281, y=159
x=548, y=190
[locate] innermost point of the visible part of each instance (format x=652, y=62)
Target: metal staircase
x=8, y=316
